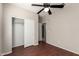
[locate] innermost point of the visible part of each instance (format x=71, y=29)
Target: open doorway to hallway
x=44, y=32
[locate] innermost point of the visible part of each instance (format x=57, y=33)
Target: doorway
x=17, y=32
x=44, y=32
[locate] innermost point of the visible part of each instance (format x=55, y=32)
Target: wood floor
x=42, y=49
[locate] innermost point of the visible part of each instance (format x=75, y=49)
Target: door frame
x=44, y=33
x=13, y=19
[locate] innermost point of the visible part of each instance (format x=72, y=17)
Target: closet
x=17, y=32
x=23, y=32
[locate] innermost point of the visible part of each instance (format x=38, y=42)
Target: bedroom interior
x=39, y=29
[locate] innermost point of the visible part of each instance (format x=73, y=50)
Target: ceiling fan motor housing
x=46, y=5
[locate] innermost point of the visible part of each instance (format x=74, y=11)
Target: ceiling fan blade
x=49, y=12
x=37, y=5
x=57, y=6
x=40, y=11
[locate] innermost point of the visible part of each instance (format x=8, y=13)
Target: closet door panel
x=28, y=32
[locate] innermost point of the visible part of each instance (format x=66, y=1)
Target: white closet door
x=28, y=32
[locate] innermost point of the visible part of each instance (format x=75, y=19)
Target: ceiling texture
x=28, y=6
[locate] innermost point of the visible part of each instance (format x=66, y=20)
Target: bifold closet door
x=29, y=32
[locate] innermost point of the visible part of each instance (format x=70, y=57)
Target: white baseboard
x=63, y=48
x=6, y=53
x=35, y=44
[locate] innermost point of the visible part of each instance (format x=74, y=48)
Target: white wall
x=13, y=11
x=0, y=26
x=63, y=28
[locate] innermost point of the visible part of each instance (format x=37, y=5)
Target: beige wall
x=63, y=27
x=0, y=27
x=9, y=12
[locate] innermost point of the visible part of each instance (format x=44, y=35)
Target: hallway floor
x=42, y=49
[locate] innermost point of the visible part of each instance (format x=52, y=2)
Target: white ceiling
x=28, y=6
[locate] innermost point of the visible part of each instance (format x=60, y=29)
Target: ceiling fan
x=47, y=6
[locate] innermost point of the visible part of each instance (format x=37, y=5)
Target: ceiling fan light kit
x=46, y=9
x=47, y=6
